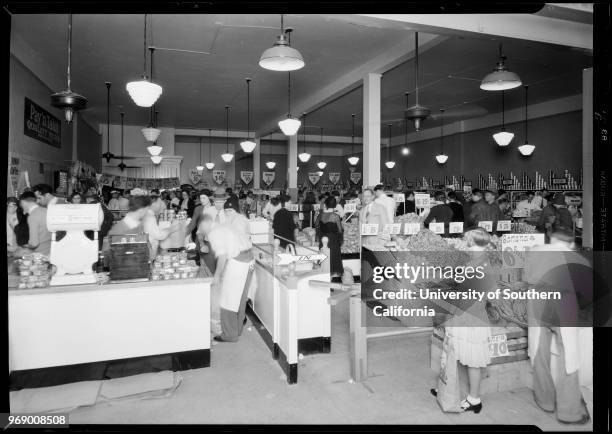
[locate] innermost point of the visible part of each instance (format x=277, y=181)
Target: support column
x=292, y=161
x=587, y=157
x=257, y=164
x=371, y=129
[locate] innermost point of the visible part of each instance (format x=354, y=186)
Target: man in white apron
x=232, y=248
x=551, y=270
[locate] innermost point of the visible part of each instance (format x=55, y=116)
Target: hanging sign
x=399, y=197
x=246, y=176
x=107, y=180
x=119, y=183
x=421, y=200
x=14, y=172
x=355, y=177
x=195, y=176
x=268, y=177
x=41, y=125
x=314, y=177
x=130, y=183
x=334, y=177
x=219, y=176
x=293, y=207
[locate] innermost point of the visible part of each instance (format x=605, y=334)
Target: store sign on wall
x=41, y=125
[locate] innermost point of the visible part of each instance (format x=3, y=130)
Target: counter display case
x=292, y=316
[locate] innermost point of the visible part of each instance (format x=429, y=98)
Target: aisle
x=244, y=385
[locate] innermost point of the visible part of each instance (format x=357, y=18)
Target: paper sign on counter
x=293, y=207
x=399, y=197
x=504, y=225
x=392, y=229
x=369, y=229
x=350, y=207
x=455, y=228
x=411, y=228
x=436, y=228
x=486, y=225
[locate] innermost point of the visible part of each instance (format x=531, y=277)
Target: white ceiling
x=197, y=87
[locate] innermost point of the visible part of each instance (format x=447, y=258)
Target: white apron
x=232, y=284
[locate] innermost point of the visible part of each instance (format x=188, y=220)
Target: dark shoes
x=434, y=392
x=465, y=404
x=218, y=338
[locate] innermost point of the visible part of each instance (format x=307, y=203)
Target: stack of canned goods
x=33, y=271
x=173, y=266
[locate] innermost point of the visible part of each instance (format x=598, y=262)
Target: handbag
x=449, y=381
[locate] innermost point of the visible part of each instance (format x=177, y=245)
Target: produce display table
x=76, y=332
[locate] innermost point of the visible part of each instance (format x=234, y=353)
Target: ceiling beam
x=517, y=26
x=398, y=54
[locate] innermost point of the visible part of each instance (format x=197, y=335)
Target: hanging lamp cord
x=526, y=105
x=248, y=80
x=353, y=136
x=304, y=132
x=144, y=67
x=289, y=95
x=416, y=67
x=227, y=129
x=200, y=151
x=321, y=143
x=389, y=145
x=209, y=144
x=69, y=49
x=108, y=86
x=442, y=131
x=503, y=112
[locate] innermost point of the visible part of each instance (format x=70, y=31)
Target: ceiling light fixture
x=154, y=149
x=248, y=145
x=227, y=157
x=156, y=159
x=390, y=164
x=144, y=93
x=67, y=100
x=289, y=126
x=210, y=165
x=503, y=137
x=282, y=57
x=321, y=164
x=500, y=78
x=304, y=156
x=151, y=133
x=271, y=165
x=526, y=149
x=199, y=167
x=441, y=157
x=417, y=113
x=353, y=159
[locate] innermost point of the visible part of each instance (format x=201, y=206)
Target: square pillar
x=371, y=129
x=292, y=164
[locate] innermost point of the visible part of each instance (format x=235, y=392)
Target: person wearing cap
x=232, y=277
x=113, y=204
x=233, y=217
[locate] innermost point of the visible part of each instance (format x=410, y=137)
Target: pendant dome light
x=151, y=133
x=271, y=165
x=144, y=93
x=248, y=145
x=199, y=167
x=441, y=157
x=503, y=138
x=156, y=159
x=405, y=148
x=417, y=113
x=282, y=57
x=390, y=163
x=227, y=157
x=321, y=164
x=210, y=165
x=526, y=149
x=290, y=125
x=304, y=156
x=154, y=149
x=67, y=100
x=353, y=159
x=500, y=78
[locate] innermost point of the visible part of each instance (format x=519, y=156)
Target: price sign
x=412, y=228
x=369, y=229
x=498, y=346
x=293, y=207
x=455, y=228
x=559, y=181
x=436, y=228
x=316, y=206
x=514, y=246
x=350, y=207
x=273, y=193
x=486, y=225
x=392, y=229
x=421, y=200
x=504, y=225
x=399, y=197
x=301, y=216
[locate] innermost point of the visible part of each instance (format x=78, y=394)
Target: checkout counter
x=73, y=331
x=292, y=316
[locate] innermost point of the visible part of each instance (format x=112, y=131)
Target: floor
x=244, y=385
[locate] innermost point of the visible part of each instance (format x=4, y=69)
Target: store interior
x=362, y=76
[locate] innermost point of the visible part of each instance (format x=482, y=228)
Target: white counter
x=66, y=325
